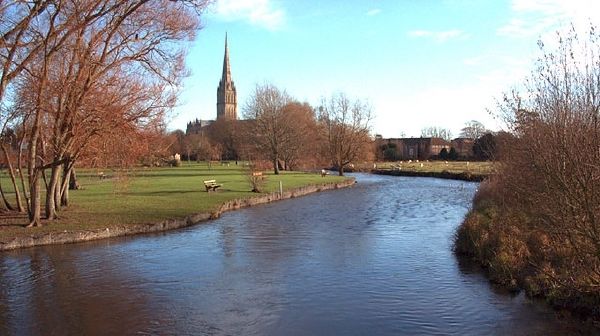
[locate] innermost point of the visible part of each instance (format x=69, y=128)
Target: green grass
x=149, y=195
x=478, y=167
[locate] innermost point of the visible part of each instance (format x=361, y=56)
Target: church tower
x=226, y=93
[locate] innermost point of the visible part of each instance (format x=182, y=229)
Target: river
x=374, y=259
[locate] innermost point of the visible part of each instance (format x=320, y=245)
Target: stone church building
x=226, y=99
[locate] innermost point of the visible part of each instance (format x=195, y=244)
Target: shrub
x=452, y=155
x=443, y=154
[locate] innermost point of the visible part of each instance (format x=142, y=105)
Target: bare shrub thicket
x=537, y=223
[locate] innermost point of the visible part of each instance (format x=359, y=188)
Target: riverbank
x=153, y=200
x=473, y=171
x=65, y=237
x=517, y=253
x=463, y=176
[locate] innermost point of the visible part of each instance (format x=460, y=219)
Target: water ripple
x=373, y=259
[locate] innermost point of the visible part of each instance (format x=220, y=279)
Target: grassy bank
x=475, y=167
x=457, y=170
x=151, y=195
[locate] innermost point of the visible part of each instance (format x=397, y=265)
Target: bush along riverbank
x=517, y=251
x=463, y=176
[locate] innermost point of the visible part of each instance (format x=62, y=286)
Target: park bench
x=211, y=185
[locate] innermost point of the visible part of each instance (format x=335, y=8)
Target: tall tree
x=266, y=109
x=345, y=126
x=119, y=65
x=301, y=134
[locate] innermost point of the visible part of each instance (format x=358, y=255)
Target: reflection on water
x=373, y=259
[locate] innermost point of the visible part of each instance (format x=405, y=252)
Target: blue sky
x=419, y=63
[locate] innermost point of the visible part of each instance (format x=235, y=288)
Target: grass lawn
x=149, y=195
x=477, y=167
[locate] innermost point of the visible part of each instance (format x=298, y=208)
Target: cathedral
x=226, y=98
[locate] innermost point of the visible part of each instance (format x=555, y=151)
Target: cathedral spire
x=226, y=93
x=226, y=68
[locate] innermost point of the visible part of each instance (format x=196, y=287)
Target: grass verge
x=150, y=195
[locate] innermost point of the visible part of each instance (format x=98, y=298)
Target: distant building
x=463, y=147
x=196, y=126
x=226, y=99
x=415, y=148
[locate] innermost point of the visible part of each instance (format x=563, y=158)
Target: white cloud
x=439, y=36
x=538, y=17
x=448, y=107
x=374, y=12
x=261, y=13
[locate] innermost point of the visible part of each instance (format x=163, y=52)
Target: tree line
x=84, y=80
x=287, y=133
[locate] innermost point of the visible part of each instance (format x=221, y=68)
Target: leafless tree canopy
x=436, y=132
x=76, y=70
x=345, y=126
x=266, y=108
x=283, y=130
x=473, y=129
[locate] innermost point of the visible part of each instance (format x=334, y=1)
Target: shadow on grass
x=177, y=192
x=162, y=192
x=158, y=174
x=13, y=219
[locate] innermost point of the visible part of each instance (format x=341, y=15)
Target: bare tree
x=271, y=131
x=93, y=66
x=473, y=129
x=226, y=133
x=301, y=134
x=436, y=132
x=345, y=128
x=545, y=230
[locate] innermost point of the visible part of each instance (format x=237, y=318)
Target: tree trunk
x=341, y=170
x=276, y=166
x=35, y=208
x=69, y=183
x=64, y=185
x=21, y=177
x=73, y=184
x=11, y=172
x=58, y=189
x=33, y=173
x=51, y=193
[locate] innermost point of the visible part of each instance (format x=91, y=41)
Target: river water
x=374, y=259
